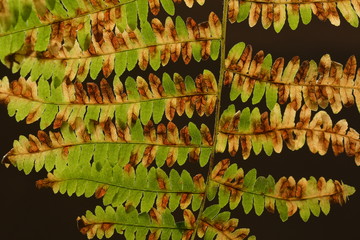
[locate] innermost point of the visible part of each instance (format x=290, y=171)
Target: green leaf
x=244, y=123
x=244, y=11
x=137, y=132
x=249, y=180
x=96, y=65
x=224, y=195
x=148, y=34
x=142, y=8
x=211, y=212
x=131, y=14
x=120, y=62
x=271, y=96
x=132, y=59
x=161, y=155
x=259, y=189
x=84, y=34
x=305, y=13
x=168, y=6
x=215, y=49
x=305, y=212
x=158, y=110
x=282, y=209
x=247, y=202
x=205, y=156
x=195, y=134
x=181, y=28
x=43, y=37
x=169, y=85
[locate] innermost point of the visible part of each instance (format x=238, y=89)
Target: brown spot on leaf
x=152, y=236
x=128, y=168
x=106, y=226
x=65, y=151
x=164, y=201
x=186, y=51
x=155, y=216
x=338, y=195
x=194, y=155
x=44, y=183
x=154, y=6
x=94, y=93
x=44, y=139
x=101, y=191
x=185, y=136
x=33, y=147
x=187, y=234
x=185, y=200
x=161, y=183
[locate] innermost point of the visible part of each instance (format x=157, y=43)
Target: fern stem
x=217, y=111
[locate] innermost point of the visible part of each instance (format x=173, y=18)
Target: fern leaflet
x=164, y=144
x=252, y=130
x=153, y=44
x=26, y=99
x=328, y=83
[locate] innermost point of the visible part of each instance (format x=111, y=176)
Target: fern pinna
x=118, y=137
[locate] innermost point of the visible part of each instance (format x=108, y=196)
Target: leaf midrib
x=306, y=84
x=288, y=128
x=34, y=55
x=110, y=103
x=104, y=142
x=141, y=225
x=125, y=187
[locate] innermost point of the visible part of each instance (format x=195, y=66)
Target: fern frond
x=118, y=185
x=130, y=223
x=327, y=83
x=26, y=99
x=253, y=130
x=130, y=145
x=275, y=11
x=286, y=195
x=154, y=44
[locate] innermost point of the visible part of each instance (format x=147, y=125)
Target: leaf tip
x=5, y=160
x=349, y=190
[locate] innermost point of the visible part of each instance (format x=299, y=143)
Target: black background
x=29, y=213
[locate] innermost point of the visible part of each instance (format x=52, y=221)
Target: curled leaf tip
x=5, y=160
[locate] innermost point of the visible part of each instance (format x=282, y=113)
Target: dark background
x=29, y=213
